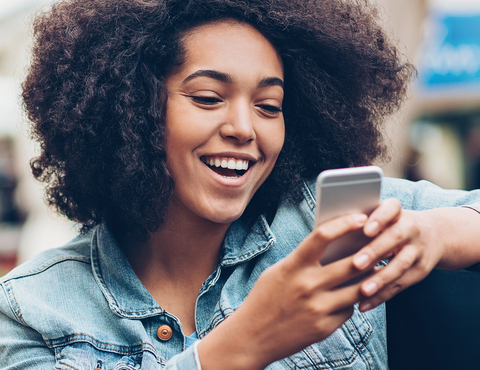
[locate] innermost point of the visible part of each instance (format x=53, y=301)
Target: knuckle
x=393, y=203
x=415, y=229
x=395, y=288
x=386, y=293
x=397, y=234
x=396, y=203
x=423, y=268
x=319, y=326
x=320, y=234
x=306, y=288
x=316, y=310
x=405, y=261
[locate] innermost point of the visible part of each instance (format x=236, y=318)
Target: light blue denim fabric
x=82, y=306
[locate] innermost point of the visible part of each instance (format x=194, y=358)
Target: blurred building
x=26, y=225
x=404, y=22
x=445, y=134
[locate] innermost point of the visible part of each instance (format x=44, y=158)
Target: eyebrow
x=220, y=76
x=226, y=78
x=271, y=81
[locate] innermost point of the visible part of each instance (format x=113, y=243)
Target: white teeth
x=231, y=164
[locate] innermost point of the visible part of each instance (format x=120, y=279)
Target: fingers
x=397, y=234
x=346, y=296
x=387, y=212
x=402, y=272
x=311, y=249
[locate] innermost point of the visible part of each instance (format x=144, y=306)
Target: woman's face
x=224, y=122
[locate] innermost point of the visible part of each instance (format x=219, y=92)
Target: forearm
x=458, y=231
x=228, y=347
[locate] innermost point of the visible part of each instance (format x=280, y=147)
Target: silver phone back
x=343, y=191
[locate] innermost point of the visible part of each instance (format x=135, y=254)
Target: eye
x=270, y=110
x=205, y=100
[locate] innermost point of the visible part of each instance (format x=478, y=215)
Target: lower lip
x=231, y=182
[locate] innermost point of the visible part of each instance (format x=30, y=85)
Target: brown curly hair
x=95, y=94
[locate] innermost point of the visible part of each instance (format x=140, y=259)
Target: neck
x=182, y=249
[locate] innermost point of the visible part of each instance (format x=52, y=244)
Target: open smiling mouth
x=227, y=167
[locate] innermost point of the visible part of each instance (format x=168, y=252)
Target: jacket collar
x=124, y=292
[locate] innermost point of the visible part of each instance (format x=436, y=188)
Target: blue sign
x=451, y=55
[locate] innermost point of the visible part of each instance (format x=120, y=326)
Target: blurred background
x=436, y=136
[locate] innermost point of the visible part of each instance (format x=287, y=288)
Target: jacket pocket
x=84, y=356
x=346, y=348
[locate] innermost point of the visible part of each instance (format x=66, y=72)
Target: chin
x=225, y=217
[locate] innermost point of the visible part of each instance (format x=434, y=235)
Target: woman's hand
x=295, y=302
x=417, y=242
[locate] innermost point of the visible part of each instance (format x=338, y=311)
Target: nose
x=238, y=123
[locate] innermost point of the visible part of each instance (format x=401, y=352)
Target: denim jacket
x=82, y=306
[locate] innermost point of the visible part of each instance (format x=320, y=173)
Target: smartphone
x=343, y=191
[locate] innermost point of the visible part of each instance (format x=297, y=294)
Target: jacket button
x=164, y=332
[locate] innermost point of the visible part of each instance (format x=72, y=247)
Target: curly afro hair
x=95, y=94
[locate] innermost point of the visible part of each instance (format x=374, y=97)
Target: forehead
x=230, y=44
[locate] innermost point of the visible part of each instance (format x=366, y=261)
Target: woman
x=183, y=136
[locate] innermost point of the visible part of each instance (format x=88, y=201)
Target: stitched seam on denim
x=218, y=319
x=308, y=196
x=97, y=275
x=368, y=333
x=364, y=339
x=223, y=314
x=341, y=362
x=47, y=265
x=248, y=256
x=330, y=364
x=101, y=346
x=242, y=258
x=286, y=363
x=113, y=304
x=311, y=354
x=124, y=365
x=71, y=367
x=12, y=302
x=266, y=229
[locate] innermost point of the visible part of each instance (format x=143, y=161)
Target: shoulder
x=52, y=290
x=421, y=195
x=45, y=278
x=76, y=251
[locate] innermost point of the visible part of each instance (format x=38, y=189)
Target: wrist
x=230, y=346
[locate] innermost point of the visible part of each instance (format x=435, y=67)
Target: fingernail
x=360, y=218
x=365, y=306
x=361, y=261
x=372, y=228
x=370, y=288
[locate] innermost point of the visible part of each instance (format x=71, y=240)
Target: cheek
x=275, y=140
